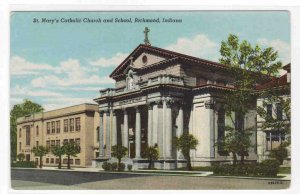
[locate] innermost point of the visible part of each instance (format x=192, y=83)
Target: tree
x=185, y=143
x=40, y=151
x=20, y=110
x=151, y=153
x=71, y=149
x=58, y=151
x=118, y=151
x=249, y=66
x=21, y=156
x=279, y=153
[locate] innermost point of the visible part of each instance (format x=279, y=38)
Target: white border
x=5, y=9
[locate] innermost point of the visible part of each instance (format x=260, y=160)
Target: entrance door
x=27, y=157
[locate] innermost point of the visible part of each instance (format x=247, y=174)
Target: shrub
x=114, y=166
x=24, y=164
x=266, y=168
x=106, y=166
x=21, y=157
x=122, y=166
x=129, y=167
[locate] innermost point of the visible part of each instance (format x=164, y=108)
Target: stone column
x=150, y=124
x=179, y=131
x=101, y=134
x=137, y=134
x=108, y=133
x=168, y=131
x=114, y=129
x=125, y=131
x=155, y=124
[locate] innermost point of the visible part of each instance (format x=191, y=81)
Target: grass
x=284, y=170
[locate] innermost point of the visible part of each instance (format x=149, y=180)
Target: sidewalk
x=286, y=177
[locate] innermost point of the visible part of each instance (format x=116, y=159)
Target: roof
x=275, y=82
x=287, y=67
x=168, y=54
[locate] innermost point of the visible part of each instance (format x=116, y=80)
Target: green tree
x=185, y=143
x=71, y=149
x=151, y=153
x=249, y=66
x=21, y=156
x=58, y=151
x=40, y=151
x=118, y=151
x=20, y=110
x=279, y=153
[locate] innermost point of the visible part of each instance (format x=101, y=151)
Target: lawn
x=284, y=170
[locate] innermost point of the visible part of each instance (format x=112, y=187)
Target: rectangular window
x=58, y=142
x=48, y=144
x=65, y=161
x=239, y=122
x=66, y=125
x=77, y=141
x=20, y=146
x=77, y=121
x=57, y=126
x=52, y=161
x=52, y=143
x=279, y=111
x=269, y=111
x=53, y=127
x=71, y=140
x=47, y=160
x=71, y=125
x=48, y=127
x=28, y=136
x=37, y=143
x=37, y=131
x=274, y=139
x=201, y=81
x=71, y=161
x=65, y=141
x=97, y=154
x=97, y=135
x=77, y=161
x=20, y=132
x=57, y=160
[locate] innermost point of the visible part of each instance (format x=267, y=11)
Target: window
x=77, y=141
x=77, y=161
x=274, y=139
x=77, y=121
x=57, y=160
x=65, y=141
x=279, y=111
x=201, y=81
x=65, y=161
x=20, y=146
x=71, y=140
x=71, y=125
x=48, y=144
x=53, y=127
x=239, y=122
x=52, y=143
x=20, y=133
x=37, y=143
x=97, y=154
x=58, y=142
x=66, y=125
x=37, y=130
x=145, y=59
x=57, y=126
x=28, y=136
x=97, y=134
x=269, y=111
x=47, y=160
x=71, y=161
x=52, y=160
x=48, y=127
x=27, y=157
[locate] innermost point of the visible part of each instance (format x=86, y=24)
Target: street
x=34, y=179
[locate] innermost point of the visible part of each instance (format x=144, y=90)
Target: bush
x=129, y=167
x=266, y=168
x=114, y=166
x=107, y=166
x=24, y=164
x=122, y=167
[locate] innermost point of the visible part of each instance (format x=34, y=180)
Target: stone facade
x=49, y=128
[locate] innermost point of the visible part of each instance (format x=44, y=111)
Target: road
x=48, y=179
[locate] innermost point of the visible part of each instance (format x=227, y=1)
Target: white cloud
x=198, y=46
x=109, y=62
x=71, y=73
x=61, y=102
x=26, y=92
x=283, y=48
x=20, y=66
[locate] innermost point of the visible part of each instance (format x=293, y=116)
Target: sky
x=64, y=64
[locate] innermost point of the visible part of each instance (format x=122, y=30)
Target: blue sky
x=64, y=64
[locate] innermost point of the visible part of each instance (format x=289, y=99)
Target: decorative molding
x=209, y=104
